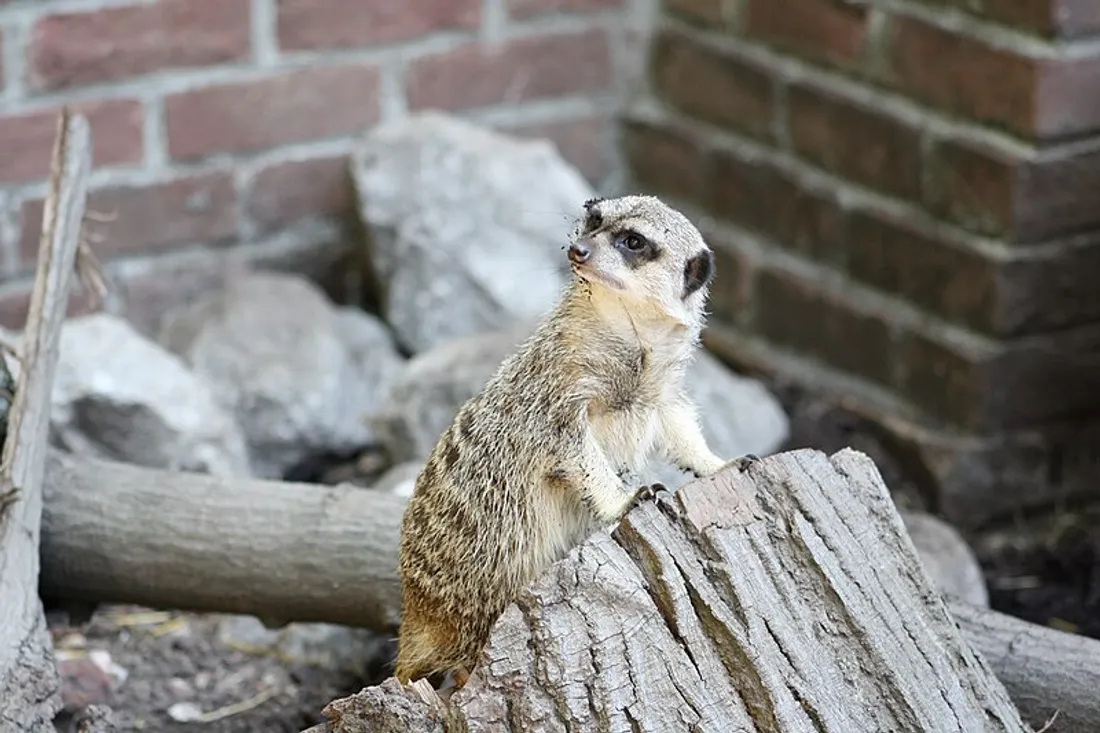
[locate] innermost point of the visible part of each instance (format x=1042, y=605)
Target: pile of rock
x=465, y=230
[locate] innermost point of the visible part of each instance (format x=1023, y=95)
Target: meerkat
x=534, y=463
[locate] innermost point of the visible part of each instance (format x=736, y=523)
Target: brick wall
x=905, y=198
x=222, y=122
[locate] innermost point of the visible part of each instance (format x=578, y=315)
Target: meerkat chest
x=627, y=436
x=626, y=421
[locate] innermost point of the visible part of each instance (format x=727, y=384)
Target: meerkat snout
x=579, y=252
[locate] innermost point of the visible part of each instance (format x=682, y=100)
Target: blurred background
x=904, y=196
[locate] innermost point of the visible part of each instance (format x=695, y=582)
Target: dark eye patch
x=635, y=248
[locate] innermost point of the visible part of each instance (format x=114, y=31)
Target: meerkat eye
x=631, y=241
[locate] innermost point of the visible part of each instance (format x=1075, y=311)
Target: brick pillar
x=905, y=200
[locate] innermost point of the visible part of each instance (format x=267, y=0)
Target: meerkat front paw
x=650, y=492
x=742, y=464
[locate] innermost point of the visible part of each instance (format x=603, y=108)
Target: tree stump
x=786, y=599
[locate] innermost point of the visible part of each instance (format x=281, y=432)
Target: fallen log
x=1047, y=672
x=788, y=598
x=29, y=680
x=280, y=551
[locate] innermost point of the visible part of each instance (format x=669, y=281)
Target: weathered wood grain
x=28, y=674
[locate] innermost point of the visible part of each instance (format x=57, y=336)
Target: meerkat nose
x=579, y=252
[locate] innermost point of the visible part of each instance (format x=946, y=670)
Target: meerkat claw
x=651, y=492
x=745, y=461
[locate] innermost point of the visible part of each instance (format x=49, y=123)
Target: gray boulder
x=424, y=399
x=328, y=646
x=946, y=557
x=466, y=226
x=400, y=479
x=739, y=415
x=120, y=396
x=299, y=375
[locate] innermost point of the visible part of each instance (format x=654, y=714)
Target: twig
x=8, y=495
x=90, y=272
x=240, y=707
x=1049, y=722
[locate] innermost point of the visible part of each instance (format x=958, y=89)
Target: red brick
x=522, y=9
x=719, y=88
x=285, y=192
x=15, y=298
x=70, y=49
x=1067, y=102
x=664, y=160
x=993, y=386
x=528, y=69
x=586, y=143
x=1033, y=97
x=797, y=313
x=1, y=58
x=1003, y=293
x=855, y=141
x=1064, y=18
x=707, y=13
x=822, y=30
x=941, y=274
x=758, y=196
x=195, y=209
x=733, y=273
x=1052, y=18
x=1018, y=197
x=316, y=24
x=27, y=139
x=310, y=104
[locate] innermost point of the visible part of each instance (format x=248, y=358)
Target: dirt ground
x=1046, y=570
x=166, y=659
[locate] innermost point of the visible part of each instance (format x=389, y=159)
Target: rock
x=423, y=400
x=332, y=647
x=739, y=415
x=299, y=375
x=95, y=719
x=83, y=683
x=117, y=395
x=947, y=558
x=399, y=480
x=466, y=226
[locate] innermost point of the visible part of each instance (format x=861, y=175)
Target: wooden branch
x=28, y=673
x=280, y=551
x=1046, y=671
x=788, y=598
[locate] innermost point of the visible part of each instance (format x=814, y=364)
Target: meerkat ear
x=698, y=272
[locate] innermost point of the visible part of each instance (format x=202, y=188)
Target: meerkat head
x=644, y=251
